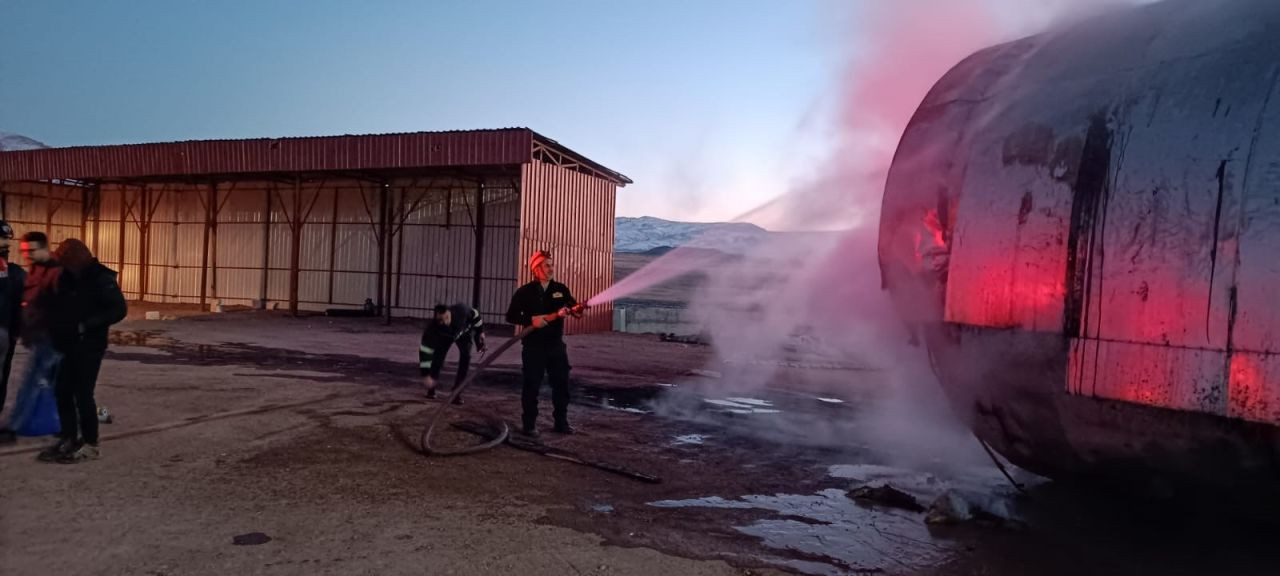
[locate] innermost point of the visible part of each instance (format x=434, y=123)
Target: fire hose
x=424, y=441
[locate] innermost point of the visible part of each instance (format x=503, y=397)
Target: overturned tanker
x=1084, y=227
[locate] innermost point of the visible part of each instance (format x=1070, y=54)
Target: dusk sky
x=712, y=107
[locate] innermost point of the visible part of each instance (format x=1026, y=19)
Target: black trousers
x=8, y=364
x=540, y=361
x=464, y=361
x=77, y=378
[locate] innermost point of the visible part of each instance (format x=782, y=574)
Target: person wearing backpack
x=89, y=301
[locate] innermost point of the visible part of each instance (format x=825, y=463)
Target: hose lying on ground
x=424, y=441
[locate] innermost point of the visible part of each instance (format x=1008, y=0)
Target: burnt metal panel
x=1113, y=183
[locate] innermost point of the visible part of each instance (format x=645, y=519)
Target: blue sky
x=711, y=106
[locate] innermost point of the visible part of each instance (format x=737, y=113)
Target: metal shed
x=405, y=220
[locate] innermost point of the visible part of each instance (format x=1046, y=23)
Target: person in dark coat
x=434, y=346
x=89, y=301
x=38, y=303
x=541, y=306
x=467, y=329
x=12, y=282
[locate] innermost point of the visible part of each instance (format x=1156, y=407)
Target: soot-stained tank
x=1085, y=227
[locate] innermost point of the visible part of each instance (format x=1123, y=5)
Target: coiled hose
x=424, y=441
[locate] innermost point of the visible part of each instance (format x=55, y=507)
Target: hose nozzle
x=574, y=311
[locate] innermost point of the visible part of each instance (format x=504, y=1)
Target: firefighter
x=466, y=327
x=541, y=305
x=12, y=280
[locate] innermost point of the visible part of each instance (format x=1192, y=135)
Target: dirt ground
x=252, y=423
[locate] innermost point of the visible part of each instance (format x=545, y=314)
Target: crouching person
x=89, y=302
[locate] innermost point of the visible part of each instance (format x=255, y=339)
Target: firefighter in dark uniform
x=463, y=326
x=541, y=306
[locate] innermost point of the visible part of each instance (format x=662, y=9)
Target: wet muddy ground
x=258, y=443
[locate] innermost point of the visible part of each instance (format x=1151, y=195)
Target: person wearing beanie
x=541, y=306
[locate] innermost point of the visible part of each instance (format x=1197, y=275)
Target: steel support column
x=295, y=246
x=479, y=252
x=266, y=249
x=204, y=253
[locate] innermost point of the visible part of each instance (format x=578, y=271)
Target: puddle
x=132, y=349
x=830, y=525
x=602, y=508
x=631, y=400
x=861, y=537
x=608, y=405
x=149, y=338
x=831, y=400
x=697, y=439
x=743, y=405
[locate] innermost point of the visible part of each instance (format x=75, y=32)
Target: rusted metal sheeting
x=1113, y=183
x=572, y=215
x=44, y=207
x=367, y=152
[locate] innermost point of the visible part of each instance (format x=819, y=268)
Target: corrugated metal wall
x=571, y=214
x=503, y=147
x=431, y=229
x=434, y=256
x=54, y=209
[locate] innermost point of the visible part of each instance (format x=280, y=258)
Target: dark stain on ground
x=359, y=369
x=251, y=539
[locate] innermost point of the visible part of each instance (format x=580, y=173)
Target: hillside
x=646, y=234
x=9, y=142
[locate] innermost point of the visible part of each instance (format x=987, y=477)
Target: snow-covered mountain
x=646, y=233
x=10, y=142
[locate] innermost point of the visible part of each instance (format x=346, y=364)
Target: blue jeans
x=42, y=367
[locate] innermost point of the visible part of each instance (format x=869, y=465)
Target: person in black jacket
x=437, y=337
x=12, y=281
x=89, y=302
x=38, y=294
x=464, y=326
x=541, y=305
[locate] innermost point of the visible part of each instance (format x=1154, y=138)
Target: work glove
x=481, y=345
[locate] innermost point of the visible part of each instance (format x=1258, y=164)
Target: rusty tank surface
x=1084, y=227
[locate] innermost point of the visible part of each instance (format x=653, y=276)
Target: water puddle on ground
x=830, y=525
x=859, y=537
x=694, y=439
x=743, y=405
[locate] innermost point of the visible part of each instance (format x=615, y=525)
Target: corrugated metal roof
x=507, y=146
